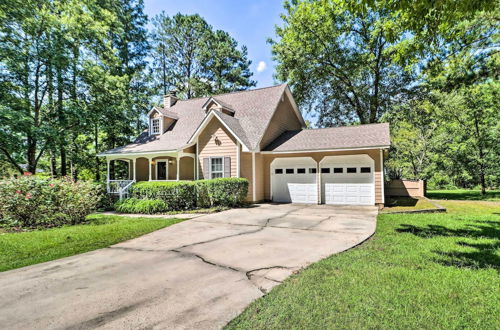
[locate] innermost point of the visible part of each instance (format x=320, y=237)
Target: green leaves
x=339, y=61
x=196, y=60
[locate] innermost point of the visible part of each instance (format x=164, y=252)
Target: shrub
x=178, y=195
x=143, y=206
x=184, y=195
x=222, y=192
x=30, y=201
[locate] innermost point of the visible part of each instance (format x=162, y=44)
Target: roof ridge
x=345, y=126
x=234, y=92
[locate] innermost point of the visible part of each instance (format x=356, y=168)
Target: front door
x=161, y=171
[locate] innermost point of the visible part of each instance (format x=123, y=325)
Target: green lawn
x=27, y=248
x=464, y=194
x=425, y=271
x=397, y=204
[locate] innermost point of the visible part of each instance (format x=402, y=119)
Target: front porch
x=168, y=166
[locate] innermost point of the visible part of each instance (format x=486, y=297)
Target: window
x=278, y=171
x=155, y=126
x=338, y=170
x=351, y=170
x=289, y=171
x=216, y=167
x=325, y=170
x=365, y=170
x=312, y=170
x=301, y=171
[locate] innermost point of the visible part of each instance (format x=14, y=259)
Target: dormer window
x=155, y=126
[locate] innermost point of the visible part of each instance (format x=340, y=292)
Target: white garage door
x=348, y=180
x=294, y=180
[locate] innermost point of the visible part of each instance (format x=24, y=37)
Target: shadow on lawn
x=485, y=254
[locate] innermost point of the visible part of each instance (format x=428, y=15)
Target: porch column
x=178, y=176
x=130, y=169
x=108, y=174
x=134, y=171
x=150, y=168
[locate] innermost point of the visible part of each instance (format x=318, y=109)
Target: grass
x=28, y=248
x=397, y=204
x=425, y=271
x=464, y=194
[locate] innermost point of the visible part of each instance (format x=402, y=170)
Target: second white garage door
x=348, y=180
x=294, y=180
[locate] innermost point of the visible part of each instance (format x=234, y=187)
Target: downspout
x=254, y=192
x=238, y=161
x=382, y=174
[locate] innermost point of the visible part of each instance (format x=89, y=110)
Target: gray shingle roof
x=361, y=136
x=167, y=113
x=235, y=126
x=253, y=111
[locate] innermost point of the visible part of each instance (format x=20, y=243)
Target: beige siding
x=142, y=172
x=284, y=119
x=216, y=141
x=373, y=153
x=246, y=171
x=187, y=168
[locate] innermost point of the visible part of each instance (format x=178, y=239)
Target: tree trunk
x=96, y=146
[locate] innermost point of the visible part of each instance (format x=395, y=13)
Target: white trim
x=150, y=169
x=254, y=193
x=324, y=150
x=382, y=181
x=210, y=166
x=294, y=106
x=151, y=111
x=151, y=126
x=197, y=165
x=238, y=160
x=178, y=163
x=205, y=122
x=134, y=168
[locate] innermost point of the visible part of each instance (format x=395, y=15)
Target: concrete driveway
x=199, y=274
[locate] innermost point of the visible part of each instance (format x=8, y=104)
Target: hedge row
x=184, y=195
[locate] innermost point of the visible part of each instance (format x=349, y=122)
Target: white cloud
x=261, y=66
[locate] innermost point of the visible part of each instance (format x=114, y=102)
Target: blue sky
x=250, y=22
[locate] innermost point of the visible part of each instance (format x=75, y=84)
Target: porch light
x=153, y=162
x=170, y=161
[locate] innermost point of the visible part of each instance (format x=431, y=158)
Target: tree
x=339, y=62
x=195, y=60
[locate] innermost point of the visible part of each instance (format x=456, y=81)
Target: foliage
x=339, y=62
x=30, y=202
x=159, y=197
x=179, y=195
x=142, y=206
x=28, y=248
x=196, y=60
x=464, y=194
x=403, y=277
x=222, y=192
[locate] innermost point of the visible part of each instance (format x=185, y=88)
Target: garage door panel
x=294, y=187
x=354, y=194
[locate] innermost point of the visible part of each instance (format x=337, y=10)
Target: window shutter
x=227, y=167
x=206, y=168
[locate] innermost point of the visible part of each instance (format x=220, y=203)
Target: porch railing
x=119, y=187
